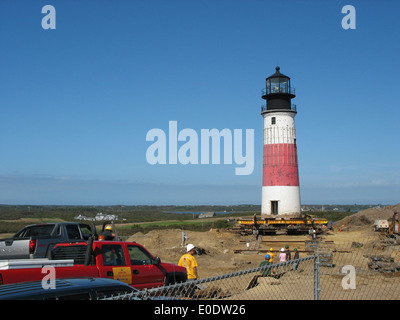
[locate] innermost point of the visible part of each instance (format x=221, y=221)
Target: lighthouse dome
x=278, y=93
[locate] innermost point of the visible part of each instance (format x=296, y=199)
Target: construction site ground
x=352, y=240
x=228, y=252
x=220, y=245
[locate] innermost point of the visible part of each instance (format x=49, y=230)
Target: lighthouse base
x=280, y=201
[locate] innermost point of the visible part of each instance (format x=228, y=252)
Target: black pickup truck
x=37, y=240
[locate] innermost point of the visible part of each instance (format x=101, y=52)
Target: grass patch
x=331, y=215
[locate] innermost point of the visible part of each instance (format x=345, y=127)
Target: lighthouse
x=280, y=183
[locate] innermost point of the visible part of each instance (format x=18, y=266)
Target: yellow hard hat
x=108, y=227
x=271, y=249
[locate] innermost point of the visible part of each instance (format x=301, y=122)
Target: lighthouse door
x=274, y=207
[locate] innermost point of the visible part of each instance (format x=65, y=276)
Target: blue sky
x=77, y=102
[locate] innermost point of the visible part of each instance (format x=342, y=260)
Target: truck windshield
x=86, y=231
x=40, y=230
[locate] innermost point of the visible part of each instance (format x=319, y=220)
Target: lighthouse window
x=273, y=120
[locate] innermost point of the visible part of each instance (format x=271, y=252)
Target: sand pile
x=367, y=217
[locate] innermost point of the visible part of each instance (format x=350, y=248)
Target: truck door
x=114, y=264
x=145, y=274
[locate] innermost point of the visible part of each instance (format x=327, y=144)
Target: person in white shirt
x=282, y=256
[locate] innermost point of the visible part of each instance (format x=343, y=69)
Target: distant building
x=99, y=217
x=206, y=215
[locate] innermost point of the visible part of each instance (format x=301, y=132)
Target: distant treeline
x=126, y=214
x=11, y=215
x=138, y=213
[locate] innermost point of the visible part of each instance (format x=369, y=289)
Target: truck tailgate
x=14, y=249
x=33, y=263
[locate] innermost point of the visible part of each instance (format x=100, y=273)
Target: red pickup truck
x=129, y=262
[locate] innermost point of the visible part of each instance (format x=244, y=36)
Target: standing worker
x=288, y=254
x=282, y=256
x=271, y=254
x=256, y=232
x=266, y=271
x=108, y=233
x=296, y=257
x=190, y=263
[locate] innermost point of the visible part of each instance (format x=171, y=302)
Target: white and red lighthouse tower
x=280, y=188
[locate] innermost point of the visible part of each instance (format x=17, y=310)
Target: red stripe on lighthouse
x=280, y=166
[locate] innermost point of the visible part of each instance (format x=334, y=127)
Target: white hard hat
x=282, y=250
x=189, y=247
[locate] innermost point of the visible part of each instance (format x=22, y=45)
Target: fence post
x=317, y=288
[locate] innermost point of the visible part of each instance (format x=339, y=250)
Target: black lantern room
x=278, y=93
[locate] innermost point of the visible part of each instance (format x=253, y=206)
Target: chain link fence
x=364, y=270
x=329, y=271
x=265, y=282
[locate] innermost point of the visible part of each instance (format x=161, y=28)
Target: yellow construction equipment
x=297, y=225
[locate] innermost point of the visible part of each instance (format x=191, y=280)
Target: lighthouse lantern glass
x=284, y=85
x=278, y=85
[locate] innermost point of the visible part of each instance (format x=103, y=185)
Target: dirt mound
x=368, y=216
x=211, y=242
x=217, y=249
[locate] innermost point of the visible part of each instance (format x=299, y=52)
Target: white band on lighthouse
x=279, y=200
